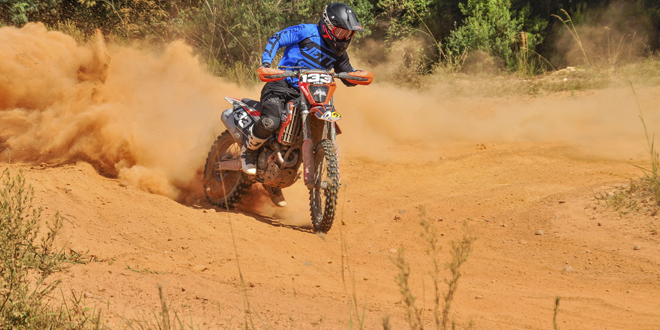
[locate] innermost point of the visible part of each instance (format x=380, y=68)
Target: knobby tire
x=224, y=189
x=326, y=170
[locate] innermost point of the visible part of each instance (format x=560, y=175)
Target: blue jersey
x=304, y=48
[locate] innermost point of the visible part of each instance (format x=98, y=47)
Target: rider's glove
x=265, y=65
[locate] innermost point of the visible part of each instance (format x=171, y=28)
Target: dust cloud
x=610, y=35
x=601, y=123
x=149, y=118
x=295, y=214
x=146, y=118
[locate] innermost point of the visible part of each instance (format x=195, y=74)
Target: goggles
x=341, y=34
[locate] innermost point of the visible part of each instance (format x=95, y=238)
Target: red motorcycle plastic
x=307, y=137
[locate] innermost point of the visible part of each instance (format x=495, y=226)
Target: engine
x=278, y=170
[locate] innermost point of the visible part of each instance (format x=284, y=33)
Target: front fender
x=326, y=112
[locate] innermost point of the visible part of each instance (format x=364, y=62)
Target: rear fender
x=236, y=102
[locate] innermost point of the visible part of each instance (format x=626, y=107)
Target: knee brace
x=269, y=122
x=266, y=126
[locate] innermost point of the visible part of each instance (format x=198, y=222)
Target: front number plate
x=316, y=78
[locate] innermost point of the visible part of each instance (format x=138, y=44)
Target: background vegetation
x=521, y=36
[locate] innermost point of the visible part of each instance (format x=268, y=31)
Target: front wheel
x=323, y=196
x=224, y=188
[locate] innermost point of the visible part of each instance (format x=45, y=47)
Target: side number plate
x=243, y=119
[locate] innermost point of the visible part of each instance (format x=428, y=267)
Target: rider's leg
x=273, y=97
x=250, y=153
x=271, y=108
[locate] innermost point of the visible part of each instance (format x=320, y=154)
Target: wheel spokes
x=218, y=183
x=232, y=152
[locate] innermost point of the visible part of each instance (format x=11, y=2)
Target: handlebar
x=285, y=74
x=298, y=70
x=357, y=77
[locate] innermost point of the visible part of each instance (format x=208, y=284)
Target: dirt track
x=508, y=166
x=506, y=192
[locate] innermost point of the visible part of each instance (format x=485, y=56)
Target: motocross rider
x=313, y=46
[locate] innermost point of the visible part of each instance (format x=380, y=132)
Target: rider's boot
x=250, y=154
x=276, y=195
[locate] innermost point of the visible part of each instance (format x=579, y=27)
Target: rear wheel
x=323, y=197
x=224, y=188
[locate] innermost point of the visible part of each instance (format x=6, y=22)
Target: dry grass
x=460, y=250
x=29, y=258
x=356, y=317
x=554, y=318
x=642, y=195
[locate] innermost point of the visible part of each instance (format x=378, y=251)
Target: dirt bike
x=307, y=137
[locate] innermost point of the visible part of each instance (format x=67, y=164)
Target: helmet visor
x=342, y=34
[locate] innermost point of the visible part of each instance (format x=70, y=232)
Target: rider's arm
x=287, y=37
x=344, y=65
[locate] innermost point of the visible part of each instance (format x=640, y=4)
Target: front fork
x=307, y=148
x=329, y=132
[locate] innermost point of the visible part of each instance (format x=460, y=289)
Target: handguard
x=357, y=77
x=269, y=74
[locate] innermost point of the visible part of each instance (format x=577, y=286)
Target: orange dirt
x=506, y=192
x=507, y=166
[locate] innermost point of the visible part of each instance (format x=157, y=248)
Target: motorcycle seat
x=256, y=105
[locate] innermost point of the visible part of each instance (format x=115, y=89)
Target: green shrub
x=229, y=34
x=19, y=12
x=405, y=17
x=490, y=26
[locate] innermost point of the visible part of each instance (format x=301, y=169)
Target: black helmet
x=338, y=25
